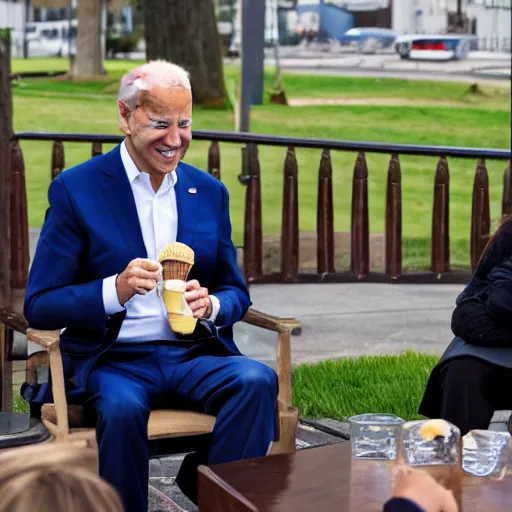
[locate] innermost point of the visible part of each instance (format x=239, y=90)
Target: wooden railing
x=15, y=252
x=289, y=246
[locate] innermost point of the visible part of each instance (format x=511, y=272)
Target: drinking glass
x=430, y=442
x=434, y=446
x=486, y=453
x=375, y=436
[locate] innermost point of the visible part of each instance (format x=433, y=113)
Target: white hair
x=154, y=73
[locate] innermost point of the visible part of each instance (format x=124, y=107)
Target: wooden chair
x=63, y=420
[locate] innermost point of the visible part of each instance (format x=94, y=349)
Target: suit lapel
x=119, y=196
x=187, y=201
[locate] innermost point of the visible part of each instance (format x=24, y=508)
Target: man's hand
x=419, y=487
x=139, y=277
x=198, y=299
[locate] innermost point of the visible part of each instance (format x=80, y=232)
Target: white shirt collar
x=132, y=170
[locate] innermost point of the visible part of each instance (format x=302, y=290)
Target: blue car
x=368, y=39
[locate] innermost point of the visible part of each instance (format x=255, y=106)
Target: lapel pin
x=192, y=190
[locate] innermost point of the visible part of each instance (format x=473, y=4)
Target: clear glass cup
x=375, y=436
x=486, y=453
x=434, y=446
x=430, y=442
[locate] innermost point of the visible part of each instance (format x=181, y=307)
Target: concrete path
x=340, y=320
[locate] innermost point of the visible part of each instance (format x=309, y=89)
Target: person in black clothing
x=474, y=376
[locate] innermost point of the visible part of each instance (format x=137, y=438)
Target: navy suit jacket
x=92, y=231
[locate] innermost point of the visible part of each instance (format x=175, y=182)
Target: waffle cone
x=175, y=270
x=177, y=259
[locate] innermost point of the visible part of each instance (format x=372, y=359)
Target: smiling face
x=159, y=129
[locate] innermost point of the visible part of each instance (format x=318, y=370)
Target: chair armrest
x=13, y=320
x=51, y=341
x=285, y=327
x=271, y=322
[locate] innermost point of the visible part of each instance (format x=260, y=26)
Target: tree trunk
x=5, y=169
x=185, y=32
x=88, y=61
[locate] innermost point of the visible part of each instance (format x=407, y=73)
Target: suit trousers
x=132, y=379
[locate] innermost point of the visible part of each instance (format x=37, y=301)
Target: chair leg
x=288, y=421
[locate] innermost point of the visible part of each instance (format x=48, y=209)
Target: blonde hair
x=154, y=73
x=54, y=478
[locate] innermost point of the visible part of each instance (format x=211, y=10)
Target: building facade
x=13, y=15
x=484, y=18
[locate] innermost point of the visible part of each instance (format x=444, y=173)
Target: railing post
x=58, y=162
x=96, y=149
x=394, y=219
x=214, y=159
x=480, y=214
x=506, y=202
x=19, y=229
x=253, y=236
x=360, y=231
x=441, y=219
x=290, y=219
x=325, y=217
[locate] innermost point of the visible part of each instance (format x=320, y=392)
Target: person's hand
x=419, y=487
x=198, y=299
x=139, y=277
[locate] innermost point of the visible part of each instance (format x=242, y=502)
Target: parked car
x=51, y=38
x=434, y=47
x=369, y=39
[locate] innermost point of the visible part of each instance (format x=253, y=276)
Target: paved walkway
x=340, y=320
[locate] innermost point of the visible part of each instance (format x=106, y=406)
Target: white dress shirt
x=146, y=316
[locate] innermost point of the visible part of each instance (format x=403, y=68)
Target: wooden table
x=321, y=480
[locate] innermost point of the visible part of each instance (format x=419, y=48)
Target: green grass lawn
x=340, y=388
x=473, y=120
x=19, y=404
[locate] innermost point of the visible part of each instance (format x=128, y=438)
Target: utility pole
x=253, y=55
x=28, y=9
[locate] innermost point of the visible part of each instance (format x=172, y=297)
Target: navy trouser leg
x=121, y=392
x=241, y=392
x=133, y=379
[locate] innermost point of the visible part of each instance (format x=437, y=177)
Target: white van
x=51, y=38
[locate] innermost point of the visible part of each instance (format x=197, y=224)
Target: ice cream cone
x=177, y=259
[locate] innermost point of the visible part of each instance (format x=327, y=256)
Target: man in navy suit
x=95, y=273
